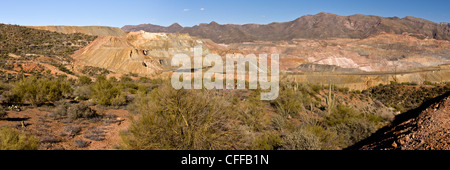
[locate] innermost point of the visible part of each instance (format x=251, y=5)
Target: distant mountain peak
x=213, y=23
x=325, y=13
x=175, y=25
x=319, y=26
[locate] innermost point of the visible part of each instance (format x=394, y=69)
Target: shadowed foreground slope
x=424, y=128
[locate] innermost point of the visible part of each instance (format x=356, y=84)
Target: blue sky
x=192, y=12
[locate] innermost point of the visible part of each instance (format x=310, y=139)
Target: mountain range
x=319, y=26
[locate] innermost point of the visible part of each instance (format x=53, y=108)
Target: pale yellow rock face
x=139, y=52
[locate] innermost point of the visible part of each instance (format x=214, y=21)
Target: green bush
x=170, y=119
x=292, y=99
x=125, y=79
x=341, y=114
x=38, y=91
x=119, y=100
x=63, y=68
x=267, y=141
x=84, y=80
x=328, y=137
x=300, y=140
x=354, y=130
x=106, y=92
x=12, y=139
x=94, y=71
x=427, y=83
x=82, y=92
x=350, y=125
x=289, y=104
x=316, y=88
x=74, y=112
x=405, y=97
x=81, y=111
x=398, y=108
x=250, y=112
x=144, y=80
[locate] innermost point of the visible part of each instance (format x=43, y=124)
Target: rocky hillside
x=88, y=30
x=139, y=52
x=384, y=52
x=424, y=128
x=319, y=26
x=27, y=51
x=25, y=41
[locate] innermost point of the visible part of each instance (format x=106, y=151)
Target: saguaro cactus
x=330, y=99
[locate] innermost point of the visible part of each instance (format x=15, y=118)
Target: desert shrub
x=278, y=122
x=300, y=140
x=72, y=130
x=60, y=111
x=119, y=100
x=74, y=112
x=288, y=104
x=105, y=92
x=427, y=83
x=63, y=68
x=144, y=80
x=406, y=97
x=141, y=101
x=84, y=80
x=12, y=139
x=129, y=85
x=316, y=88
x=49, y=139
x=184, y=119
x=94, y=71
x=251, y=112
x=341, y=114
x=341, y=128
x=112, y=79
x=399, y=108
x=81, y=143
x=3, y=113
x=81, y=111
x=125, y=79
x=82, y=92
x=292, y=99
x=4, y=87
x=329, y=138
x=267, y=141
x=95, y=135
x=350, y=125
x=354, y=130
x=133, y=74
x=38, y=91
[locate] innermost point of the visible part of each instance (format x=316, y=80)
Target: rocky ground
x=100, y=134
x=424, y=128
